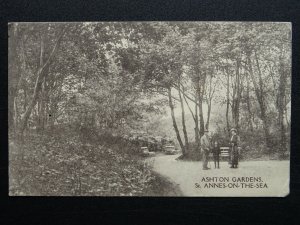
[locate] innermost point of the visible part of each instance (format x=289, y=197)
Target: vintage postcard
x=149, y=109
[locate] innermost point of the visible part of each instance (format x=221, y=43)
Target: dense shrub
x=77, y=163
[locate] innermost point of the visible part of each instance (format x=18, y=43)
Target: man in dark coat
x=234, y=143
x=205, y=147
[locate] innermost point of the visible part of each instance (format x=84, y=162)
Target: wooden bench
x=145, y=152
x=224, y=152
x=169, y=149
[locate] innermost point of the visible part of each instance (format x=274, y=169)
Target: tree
x=40, y=75
x=97, y=74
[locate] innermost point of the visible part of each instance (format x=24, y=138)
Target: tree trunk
x=31, y=105
x=174, y=122
x=250, y=116
x=201, y=119
x=13, y=73
x=236, y=96
x=191, y=111
x=186, y=140
x=15, y=114
x=197, y=138
x=209, y=97
x=227, y=103
x=208, y=114
x=281, y=107
x=200, y=101
x=41, y=108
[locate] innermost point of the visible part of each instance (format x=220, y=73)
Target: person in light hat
x=205, y=148
x=234, y=143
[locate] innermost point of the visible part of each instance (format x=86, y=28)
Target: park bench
x=146, y=152
x=169, y=149
x=224, y=152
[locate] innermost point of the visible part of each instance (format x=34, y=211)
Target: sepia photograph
x=172, y=109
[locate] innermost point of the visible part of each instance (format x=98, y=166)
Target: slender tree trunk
x=236, y=96
x=197, y=138
x=201, y=119
x=259, y=75
x=191, y=111
x=287, y=119
x=239, y=93
x=174, y=122
x=15, y=117
x=250, y=121
x=47, y=113
x=200, y=101
x=281, y=107
x=19, y=65
x=186, y=140
x=209, y=97
x=31, y=105
x=53, y=111
x=41, y=111
x=227, y=104
x=13, y=72
x=208, y=114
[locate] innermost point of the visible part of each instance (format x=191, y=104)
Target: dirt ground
x=271, y=177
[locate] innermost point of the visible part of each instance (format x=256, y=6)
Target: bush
x=77, y=163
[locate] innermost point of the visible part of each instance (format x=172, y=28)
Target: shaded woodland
x=71, y=84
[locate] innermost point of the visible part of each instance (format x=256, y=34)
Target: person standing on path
x=216, y=154
x=205, y=147
x=234, y=142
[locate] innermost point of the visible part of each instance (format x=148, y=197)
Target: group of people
x=208, y=145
